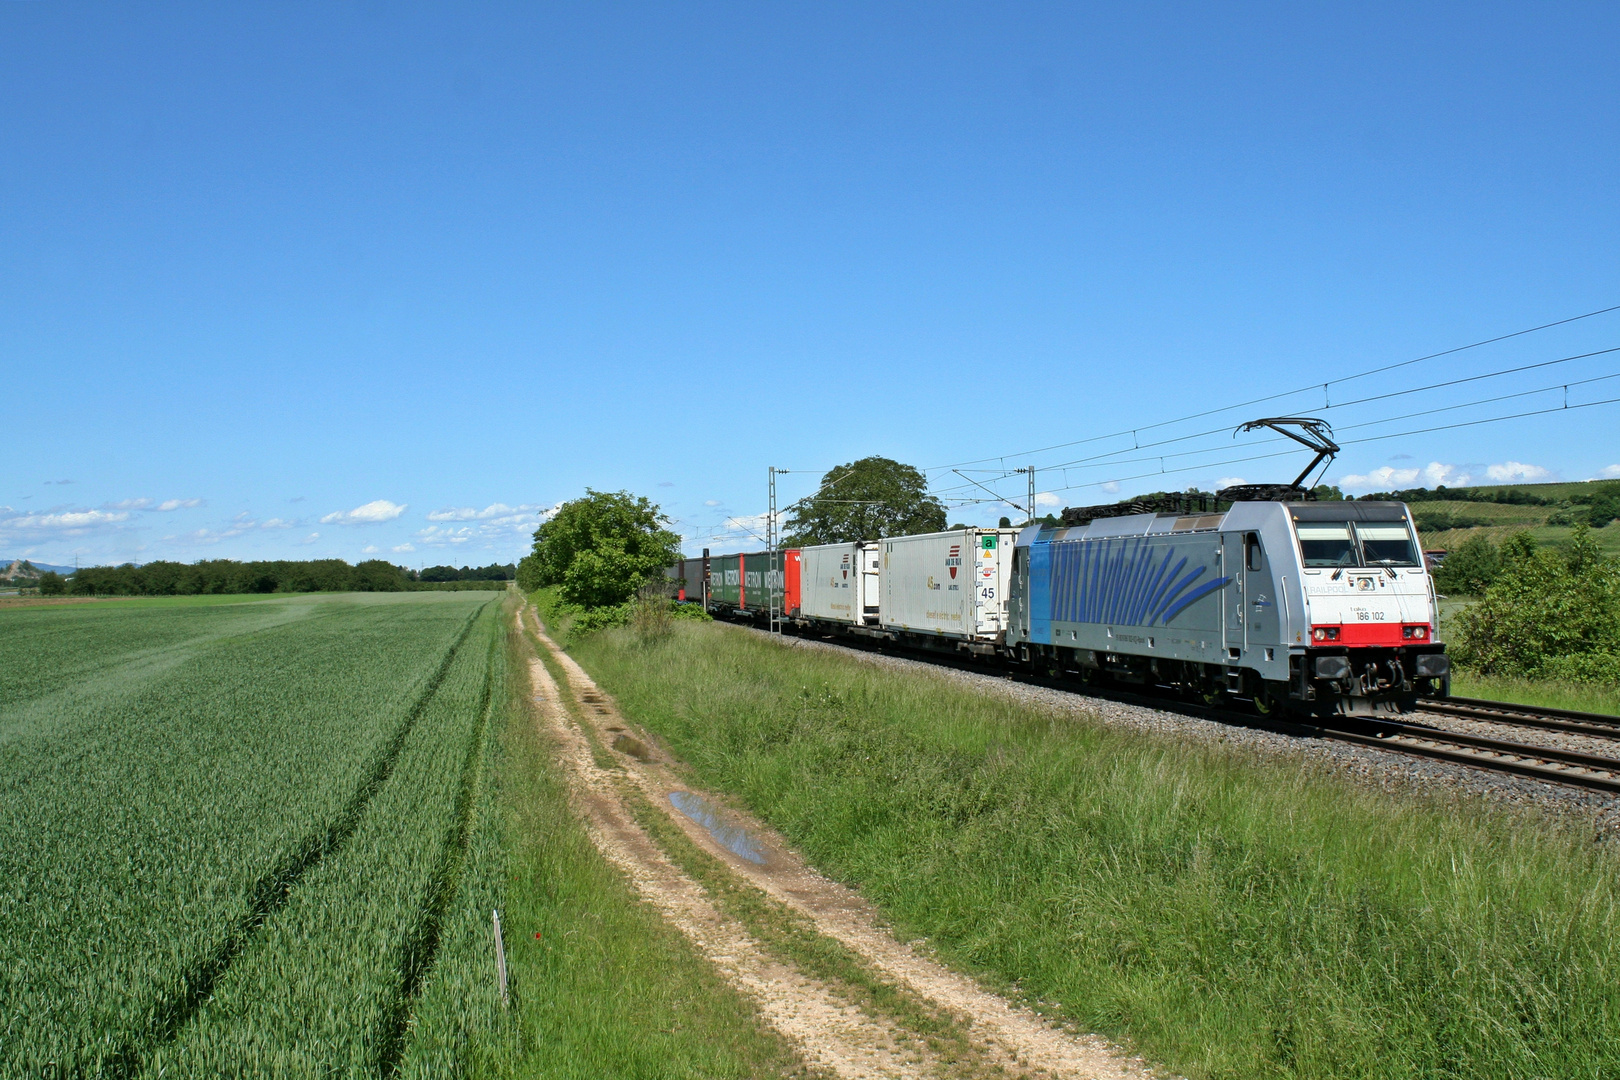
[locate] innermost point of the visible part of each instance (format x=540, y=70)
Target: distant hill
x=14, y=568
x=1448, y=516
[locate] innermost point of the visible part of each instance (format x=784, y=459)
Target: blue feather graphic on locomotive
x=1129, y=582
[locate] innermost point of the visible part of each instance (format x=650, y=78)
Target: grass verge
x=1553, y=694
x=1230, y=915
x=600, y=984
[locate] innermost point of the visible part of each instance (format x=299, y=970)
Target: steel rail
x=1502, y=712
x=1536, y=762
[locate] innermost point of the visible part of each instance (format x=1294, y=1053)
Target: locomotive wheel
x=1211, y=694
x=1270, y=700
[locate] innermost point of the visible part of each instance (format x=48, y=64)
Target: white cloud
x=711, y=502
x=1385, y=476
x=1110, y=486
x=277, y=523
x=1610, y=472
x=495, y=522
x=372, y=513
x=495, y=511
x=462, y=513
x=1436, y=473
x=1046, y=498
x=62, y=522
x=444, y=535
x=310, y=539
x=404, y=548
x=370, y=549
x=144, y=503
x=1229, y=481
x=1516, y=472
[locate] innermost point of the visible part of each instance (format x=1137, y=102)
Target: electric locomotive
x=1322, y=607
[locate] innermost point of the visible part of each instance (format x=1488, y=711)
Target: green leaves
x=1543, y=611
x=600, y=549
x=865, y=500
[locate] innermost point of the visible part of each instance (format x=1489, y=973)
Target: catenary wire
x=1274, y=397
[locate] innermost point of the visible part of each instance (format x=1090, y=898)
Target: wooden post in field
x=500, y=956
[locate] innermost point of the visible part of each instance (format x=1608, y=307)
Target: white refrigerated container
x=950, y=584
x=838, y=582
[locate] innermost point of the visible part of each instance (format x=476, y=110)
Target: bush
x=1442, y=521
x=52, y=584
x=600, y=549
x=1544, y=612
x=590, y=620
x=1593, y=667
x=1470, y=569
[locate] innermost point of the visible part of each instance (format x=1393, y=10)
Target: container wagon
x=745, y=585
x=947, y=589
x=838, y=585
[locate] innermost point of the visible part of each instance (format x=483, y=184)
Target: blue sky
x=307, y=280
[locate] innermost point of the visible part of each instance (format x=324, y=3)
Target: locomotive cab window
x=1387, y=543
x=1251, y=550
x=1326, y=543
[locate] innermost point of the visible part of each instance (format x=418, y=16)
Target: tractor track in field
x=270, y=893
x=836, y=1028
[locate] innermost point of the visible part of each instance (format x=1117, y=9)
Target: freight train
x=1293, y=605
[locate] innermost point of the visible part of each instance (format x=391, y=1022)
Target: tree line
x=492, y=572
x=163, y=578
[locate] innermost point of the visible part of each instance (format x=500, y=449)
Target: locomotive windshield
x=1387, y=543
x=1326, y=543
x=1362, y=543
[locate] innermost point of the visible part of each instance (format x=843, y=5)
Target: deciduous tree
x=865, y=500
x=600, y=549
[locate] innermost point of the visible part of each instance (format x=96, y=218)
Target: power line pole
x=775, y=583
x=1030, y=470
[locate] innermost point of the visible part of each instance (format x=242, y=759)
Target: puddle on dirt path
x=733, y=838
x=637, y=749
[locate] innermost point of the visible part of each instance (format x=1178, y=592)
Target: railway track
x=1545, y=763
x=1498, y=755
x=1498, y=712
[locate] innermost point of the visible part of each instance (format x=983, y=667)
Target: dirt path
x=1005, y=1039
x=830, y=1032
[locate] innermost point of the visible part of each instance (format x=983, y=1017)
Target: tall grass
x=1551, y=693
x=1230, y=915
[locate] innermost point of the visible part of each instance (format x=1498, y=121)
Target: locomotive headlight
x=1332, y=667
x=1324, y=633
x=1415, y=633
x=1432, y=665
